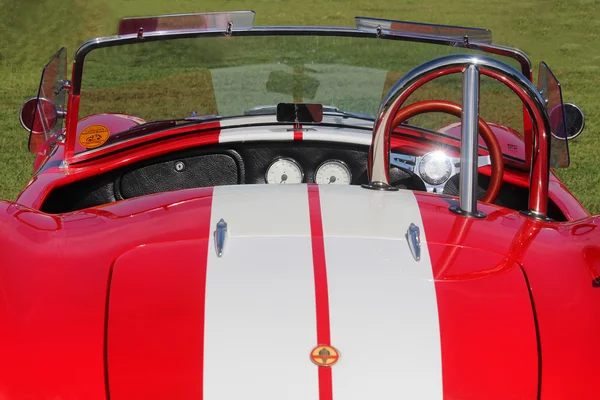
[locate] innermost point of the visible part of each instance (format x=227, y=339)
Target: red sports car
x=226, y=211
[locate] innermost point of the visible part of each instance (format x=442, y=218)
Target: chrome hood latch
x=413, y=238
x=220, y=234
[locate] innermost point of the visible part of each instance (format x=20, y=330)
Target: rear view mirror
x=46, y=119
x=575, y=120
x=299, y=112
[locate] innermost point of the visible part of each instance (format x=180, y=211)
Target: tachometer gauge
x=333, y=172
x=284, y=171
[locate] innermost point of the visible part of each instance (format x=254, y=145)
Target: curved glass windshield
x=233, y=76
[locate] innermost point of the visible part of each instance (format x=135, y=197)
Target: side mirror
x=575, y=120
x=567, y=121
x=42, y=121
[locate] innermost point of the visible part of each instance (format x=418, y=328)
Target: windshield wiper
x=158, y=125
x=327, y=110
x=347, y=114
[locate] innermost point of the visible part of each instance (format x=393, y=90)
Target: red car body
x=119, y=301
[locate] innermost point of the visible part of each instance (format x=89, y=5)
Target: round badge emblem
x=94, y=136
x=324, y=356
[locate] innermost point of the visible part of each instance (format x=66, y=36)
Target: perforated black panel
x=182, y=173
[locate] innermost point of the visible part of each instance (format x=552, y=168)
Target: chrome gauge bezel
x=289, y=159
x=340, y=162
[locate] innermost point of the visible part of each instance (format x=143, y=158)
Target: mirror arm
x=65, y=84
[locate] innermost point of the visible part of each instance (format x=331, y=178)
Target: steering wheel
x=435, y=168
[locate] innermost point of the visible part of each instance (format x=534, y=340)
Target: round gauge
x=333, y=172
x=284, y=171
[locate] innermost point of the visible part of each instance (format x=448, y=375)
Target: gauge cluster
x=285, y=171
x=334, y=172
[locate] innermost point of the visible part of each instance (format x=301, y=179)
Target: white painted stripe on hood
x=345, y=135
x=260, y=307
x=236, y=135
x=286, y=133
x=383, y=309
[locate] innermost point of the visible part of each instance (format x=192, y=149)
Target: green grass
x=566, y=34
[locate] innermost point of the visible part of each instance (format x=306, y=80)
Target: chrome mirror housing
x=575, y=120
x=39, y=115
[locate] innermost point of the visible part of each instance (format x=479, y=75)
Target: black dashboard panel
x=237, y=163
x=181, y=172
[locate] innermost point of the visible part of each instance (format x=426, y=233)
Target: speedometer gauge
x=284, y=171
x=333, y=172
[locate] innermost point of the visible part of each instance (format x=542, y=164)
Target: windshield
x=230, y=76
x=53, y=76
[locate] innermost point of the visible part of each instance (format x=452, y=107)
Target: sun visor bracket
x=459, y=34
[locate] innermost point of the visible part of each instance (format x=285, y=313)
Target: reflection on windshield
x=174, y=79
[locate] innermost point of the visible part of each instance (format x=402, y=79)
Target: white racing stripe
x=260, y=308
x=383, y=310
x=285, y=133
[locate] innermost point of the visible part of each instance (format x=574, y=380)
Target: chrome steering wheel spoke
x=482, y=161
x=404, y=161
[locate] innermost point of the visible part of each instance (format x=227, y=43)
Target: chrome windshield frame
x=109, y=41
x=266, y=31
x=257, y=31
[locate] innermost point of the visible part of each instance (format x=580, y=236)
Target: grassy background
x=566, y=34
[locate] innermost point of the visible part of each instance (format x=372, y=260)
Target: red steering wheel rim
x=485, y=131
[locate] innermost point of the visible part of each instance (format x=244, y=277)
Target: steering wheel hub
x=435, y=168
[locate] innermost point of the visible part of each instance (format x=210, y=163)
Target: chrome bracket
x=413, y=238
x=220, y=234
x=65, y=84
x=469, y=214
x=536, y=215
x=380, y=186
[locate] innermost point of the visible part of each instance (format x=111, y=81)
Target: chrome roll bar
x=471, y=66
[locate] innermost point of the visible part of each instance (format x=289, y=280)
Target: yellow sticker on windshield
x=94, y=136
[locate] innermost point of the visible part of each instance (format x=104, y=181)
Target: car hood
x=309, y=266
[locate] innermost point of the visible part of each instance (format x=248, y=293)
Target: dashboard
x=216, y=165
x=245, y=163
